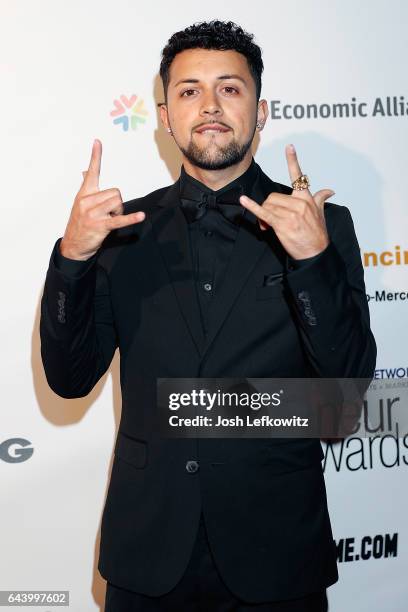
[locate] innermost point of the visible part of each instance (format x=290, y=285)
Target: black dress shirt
x=212, y=239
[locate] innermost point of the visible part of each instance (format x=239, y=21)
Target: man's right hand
x=94, y=214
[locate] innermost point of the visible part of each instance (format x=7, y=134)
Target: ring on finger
x=301, y=183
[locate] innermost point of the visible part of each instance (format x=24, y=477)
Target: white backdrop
x=63, y=65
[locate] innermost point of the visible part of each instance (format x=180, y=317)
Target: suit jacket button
x=192, y=467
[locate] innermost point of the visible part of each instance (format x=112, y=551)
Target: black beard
x=226, y=156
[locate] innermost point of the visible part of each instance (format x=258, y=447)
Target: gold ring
x=301, y=183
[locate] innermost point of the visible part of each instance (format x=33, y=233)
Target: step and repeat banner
x=336, y=87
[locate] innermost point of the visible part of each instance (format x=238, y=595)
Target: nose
x=210, y=105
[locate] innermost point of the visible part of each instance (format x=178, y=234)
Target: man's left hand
x=297, y=219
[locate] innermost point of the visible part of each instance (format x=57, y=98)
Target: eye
x=230, y=89
x=187, y=91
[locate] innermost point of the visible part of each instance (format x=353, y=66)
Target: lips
x=212, y=128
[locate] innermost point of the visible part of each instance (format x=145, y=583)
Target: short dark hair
x=217, y=35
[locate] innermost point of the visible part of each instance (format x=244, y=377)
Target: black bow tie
x=195, y=203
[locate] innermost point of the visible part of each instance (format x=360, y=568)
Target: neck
x=217, y=179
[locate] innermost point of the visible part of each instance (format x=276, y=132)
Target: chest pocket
x=271, y=288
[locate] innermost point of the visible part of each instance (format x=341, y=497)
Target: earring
x=259, y=125
x=169, y=130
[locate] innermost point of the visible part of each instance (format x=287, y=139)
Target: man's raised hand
x=297, y=219
x=94, y=214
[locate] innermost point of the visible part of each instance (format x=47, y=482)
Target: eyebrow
x=220, y=78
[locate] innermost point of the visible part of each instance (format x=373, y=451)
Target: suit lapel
x=171, y=231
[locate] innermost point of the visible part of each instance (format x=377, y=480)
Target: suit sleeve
x=78, y=336
x=70, y=267
x=330, y=303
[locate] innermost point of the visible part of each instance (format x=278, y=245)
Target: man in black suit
x=225, y=273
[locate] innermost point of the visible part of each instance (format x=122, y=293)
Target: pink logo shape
x=122, y=104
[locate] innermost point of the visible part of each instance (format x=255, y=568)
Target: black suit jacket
x=264, y=500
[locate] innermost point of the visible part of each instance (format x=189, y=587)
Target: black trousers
x=201, y=589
